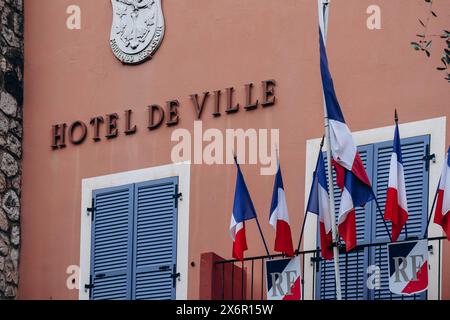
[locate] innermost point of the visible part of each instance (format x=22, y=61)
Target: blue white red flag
x=318, y=203
x=351, y=175
x=279, y=217
x=408, y=267
x=396, y=209
x=243, y=210
x=354, y=194
x=442, y=213
x=283, y=279
x=343, y=148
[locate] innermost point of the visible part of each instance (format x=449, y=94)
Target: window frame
x=436, y=129
x=371, y=214
x=88, y=185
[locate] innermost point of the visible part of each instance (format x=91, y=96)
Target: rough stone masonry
x=11, y=102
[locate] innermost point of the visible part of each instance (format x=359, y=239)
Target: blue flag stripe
x=333, y=107
x=277, y=185
x=243, y=208
x=397, y=145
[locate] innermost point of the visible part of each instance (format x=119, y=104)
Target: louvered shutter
x=352, y=266
x=155, y=232
x=111, y=243
x=416, y=179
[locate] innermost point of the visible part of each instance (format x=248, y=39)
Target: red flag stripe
x=347, y=230
x=240, y=244
x=395, y=213
x=439, y=217
x=283, y=239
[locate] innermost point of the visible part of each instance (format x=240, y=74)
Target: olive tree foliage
x=424, y=40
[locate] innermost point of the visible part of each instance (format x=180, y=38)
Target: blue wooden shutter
x=155, y=232
x=111, y=243
x=416, y=177
x=352, y=266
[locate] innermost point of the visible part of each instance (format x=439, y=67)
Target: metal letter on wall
x=137, y=29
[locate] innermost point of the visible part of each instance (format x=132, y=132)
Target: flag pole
x=406, y=223
x=431, y=212
x=323, y=20
x=307, y=205
x=264, y=240
x=381, y=214
x=257, y=221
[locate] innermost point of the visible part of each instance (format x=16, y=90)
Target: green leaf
x=428, y=45
x=420, y=35
x=423, y=24
x=416, y=46
x=428, y=53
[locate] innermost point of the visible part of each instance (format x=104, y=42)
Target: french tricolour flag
x=396, y=204
x=318, y=203
x=279, y=217
x=442, y=213
x=243, y=210
x=350, y=173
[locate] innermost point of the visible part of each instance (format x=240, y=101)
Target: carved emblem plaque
x=137, y=29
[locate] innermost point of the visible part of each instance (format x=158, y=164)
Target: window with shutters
x=370, y=227
x=133, y=243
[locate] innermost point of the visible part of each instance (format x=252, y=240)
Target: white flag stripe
x=445, y=185
x=281, y=211
x=402, y=188
x=397, y=181
x=393, y=176
x=342, y=145
x=235, y=227
x=346, y=205
x=324, y=211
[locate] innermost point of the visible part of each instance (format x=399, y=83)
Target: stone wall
x=11, y=101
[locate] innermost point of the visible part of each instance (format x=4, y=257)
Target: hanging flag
x=343, y=148
x=243, y=210
x=318, y=203
x=354, y=194
x=408, y=267
x=396, y=209
x=442, y=213
x=351, y=175
x=283, y=279
x=279, y=217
